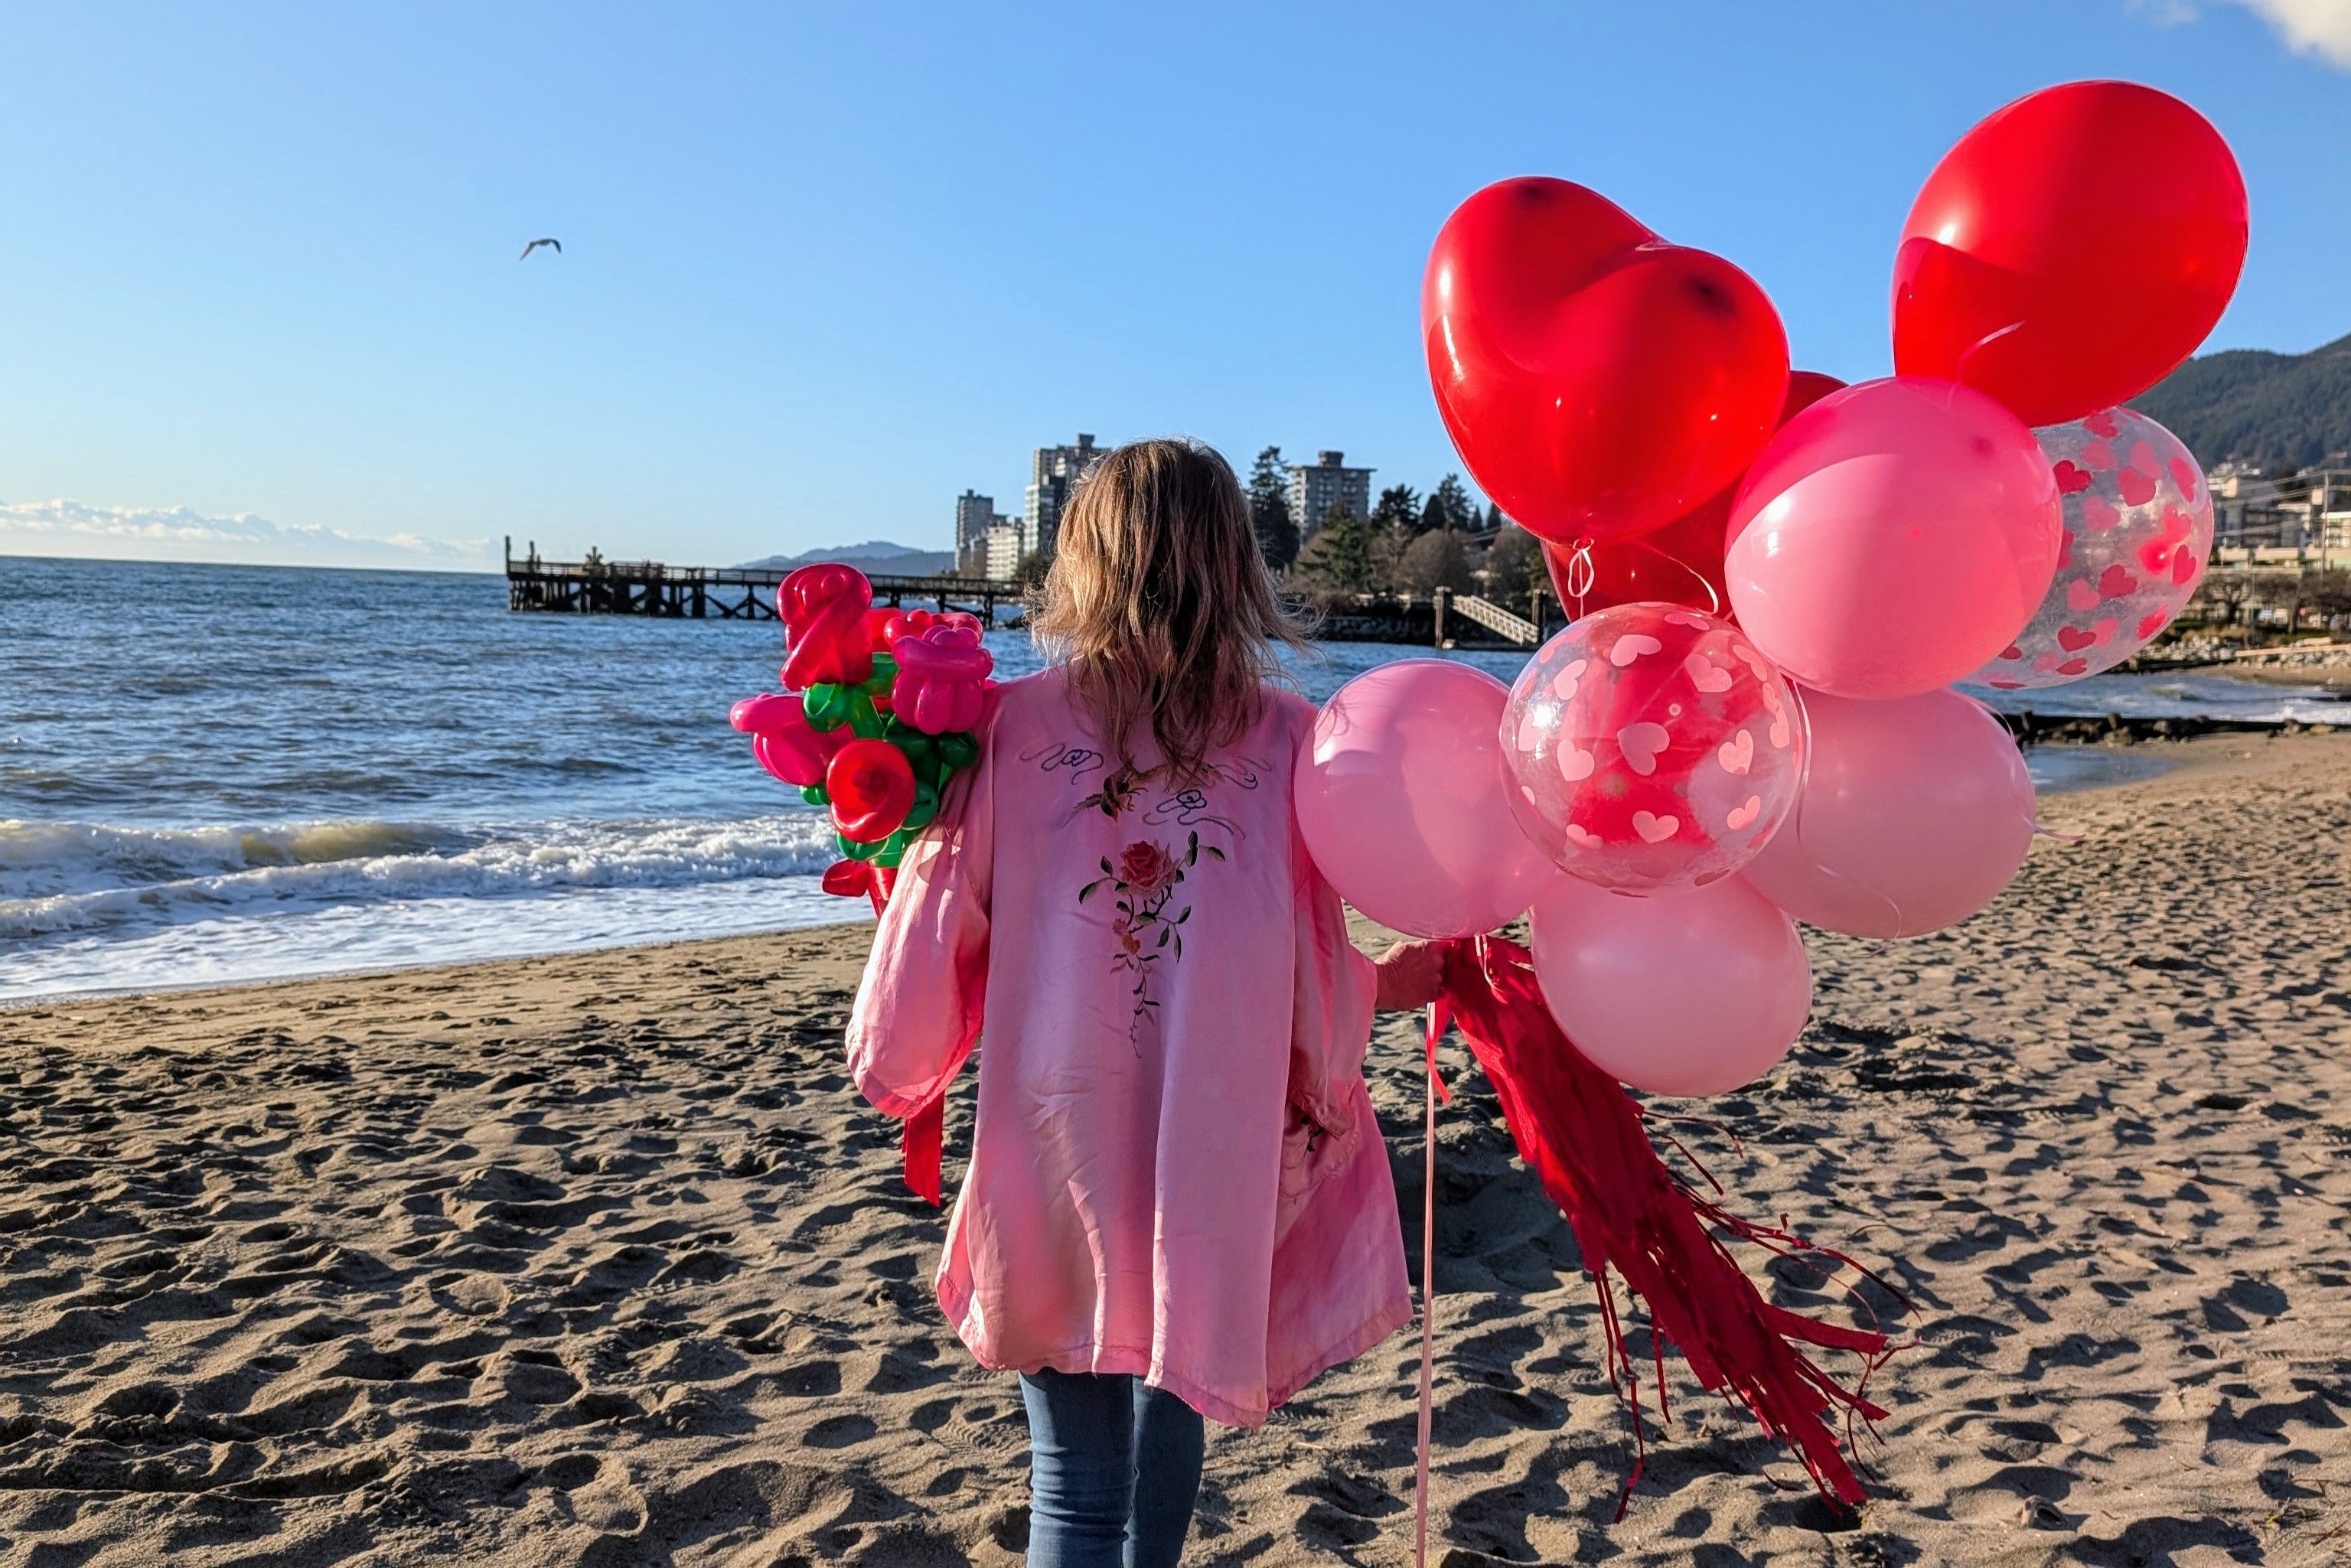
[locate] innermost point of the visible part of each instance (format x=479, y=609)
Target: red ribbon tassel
x=1584, y=1137
x=923, y=1142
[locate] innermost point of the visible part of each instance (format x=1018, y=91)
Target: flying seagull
x=535, y=244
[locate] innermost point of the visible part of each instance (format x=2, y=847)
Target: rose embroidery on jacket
x=1144, y=881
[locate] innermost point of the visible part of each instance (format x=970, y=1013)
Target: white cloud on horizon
x=2321, y=27
x=183, y=533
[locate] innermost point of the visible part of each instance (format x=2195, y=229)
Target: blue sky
x=824, y=267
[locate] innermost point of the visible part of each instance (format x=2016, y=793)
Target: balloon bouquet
x=1775, y=579
x=879, y=711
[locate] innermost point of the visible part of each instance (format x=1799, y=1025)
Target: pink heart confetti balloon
x=2138, y=534
x=1667, y=759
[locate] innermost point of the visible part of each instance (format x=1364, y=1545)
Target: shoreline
x=2147, y=763
x=2328, y=677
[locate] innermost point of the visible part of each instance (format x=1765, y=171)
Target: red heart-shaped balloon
x=2070, y=250
x=1598, y=381
x=1680, y=563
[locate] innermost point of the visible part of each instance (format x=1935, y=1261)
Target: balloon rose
x=942, y=678
x=787, y=745
x=1597, y=381
x=1693, y=992
x=1652, y=747
x=1892, y=537
x=2071, y=250
x=888, y=625
x=1914, y=815
x=872, y=788
x=1680, y=563
x=1402, y=801
x=881, y=772
x=826, y=641
x=2138, y=529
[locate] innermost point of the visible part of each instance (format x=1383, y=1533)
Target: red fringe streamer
x=1585, y=1139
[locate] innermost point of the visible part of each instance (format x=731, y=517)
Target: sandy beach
x=596, y=1259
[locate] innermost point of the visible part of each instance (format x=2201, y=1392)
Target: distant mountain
x=2276, y=412
x=874, y=556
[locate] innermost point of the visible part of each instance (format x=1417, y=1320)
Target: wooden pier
x=601, y=587
x=598, y=587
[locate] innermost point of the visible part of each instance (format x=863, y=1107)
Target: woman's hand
x=1412, y=975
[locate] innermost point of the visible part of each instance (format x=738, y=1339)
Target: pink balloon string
x=1441, y=1017
x=1713, y=599
x=1959, y=370
x=1437, y=1020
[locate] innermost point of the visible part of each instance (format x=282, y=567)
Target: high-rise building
x=1316, y=487
x=1053, y=474
x=1000, y=549
x=974, y=515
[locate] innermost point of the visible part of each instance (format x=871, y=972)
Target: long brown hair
x=1161, y=606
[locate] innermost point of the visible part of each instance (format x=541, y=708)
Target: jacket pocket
x=1311, y=1155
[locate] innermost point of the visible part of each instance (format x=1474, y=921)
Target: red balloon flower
x=872, y=788
x=1598, y=381
x=2071, y=250
x=825, y=640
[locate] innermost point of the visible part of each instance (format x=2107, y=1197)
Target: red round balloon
x=1680, y=563
x=1598, y=381
x=2071, y=250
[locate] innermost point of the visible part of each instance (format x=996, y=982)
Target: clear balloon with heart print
x=1651, y=748
x=2138, y=533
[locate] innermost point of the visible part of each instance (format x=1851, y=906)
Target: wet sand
x=596, y=1259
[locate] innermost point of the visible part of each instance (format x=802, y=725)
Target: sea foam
x=60, y=877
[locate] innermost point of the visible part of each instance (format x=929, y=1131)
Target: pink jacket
x=1175, y=1170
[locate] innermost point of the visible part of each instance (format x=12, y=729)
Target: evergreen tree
x=1339, y=558
x=1398, y=509
x=1494, y=519
x=1432, y=515
x=1395, y=520
x=1268, y=500
x=1451, y=500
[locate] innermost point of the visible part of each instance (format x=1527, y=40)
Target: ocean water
x=213, y=774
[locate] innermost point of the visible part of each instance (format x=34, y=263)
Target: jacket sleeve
x=918, y=1009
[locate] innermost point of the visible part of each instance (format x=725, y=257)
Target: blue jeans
x=1114, y=1468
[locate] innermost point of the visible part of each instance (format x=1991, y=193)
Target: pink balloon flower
x=942, y=684
x=783, y=740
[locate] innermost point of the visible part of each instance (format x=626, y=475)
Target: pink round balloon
x=1892, y=537
x=2138, y=532
x=1692, y=992
x=1915, y=813
x=1651, y=747
x=1402, y=799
